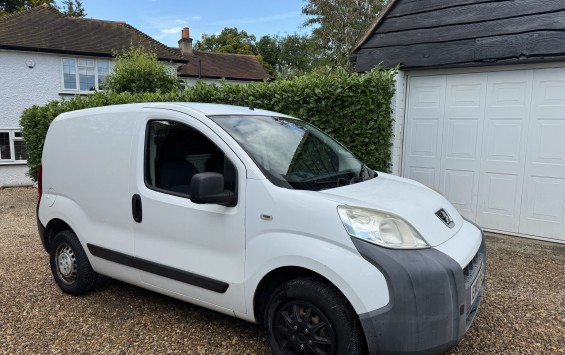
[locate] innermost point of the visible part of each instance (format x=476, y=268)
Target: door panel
x=543, y=210
x=464, y=109
x=506, y=118
x=424, y=131
x=194, y=250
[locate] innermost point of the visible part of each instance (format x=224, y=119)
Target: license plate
x=476, y=286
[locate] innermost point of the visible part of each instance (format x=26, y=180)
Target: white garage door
x=494, y=144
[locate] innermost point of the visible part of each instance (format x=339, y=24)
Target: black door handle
x=136, y=208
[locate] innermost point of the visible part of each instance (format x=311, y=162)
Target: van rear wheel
x=69, y=264
x=309, y=316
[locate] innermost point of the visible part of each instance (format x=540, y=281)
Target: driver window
x=175, y=152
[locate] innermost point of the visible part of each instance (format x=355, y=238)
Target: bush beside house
x=352, y=108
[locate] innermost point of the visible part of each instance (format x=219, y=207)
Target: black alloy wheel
x=310, y=316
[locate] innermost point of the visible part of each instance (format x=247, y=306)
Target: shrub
x=352, y=108
x=137, y=71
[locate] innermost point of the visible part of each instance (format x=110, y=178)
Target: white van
x=260, y=216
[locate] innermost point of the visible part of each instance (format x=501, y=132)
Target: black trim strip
x=159, y=269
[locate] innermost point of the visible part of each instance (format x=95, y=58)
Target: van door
x=195, y=251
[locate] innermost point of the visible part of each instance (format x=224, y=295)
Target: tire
x=70, y=266
x=309, y=316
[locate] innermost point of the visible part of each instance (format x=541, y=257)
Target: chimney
x=185, y=43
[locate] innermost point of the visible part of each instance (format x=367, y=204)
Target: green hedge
x=352, y=108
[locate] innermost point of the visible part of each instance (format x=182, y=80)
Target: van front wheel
x=309, y=316
x=69, y=264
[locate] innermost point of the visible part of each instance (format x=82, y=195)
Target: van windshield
x=293, y=154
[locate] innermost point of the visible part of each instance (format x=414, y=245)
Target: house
x=480, y=105
x=46, y=56
x=210, y=66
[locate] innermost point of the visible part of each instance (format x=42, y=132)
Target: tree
x=137, y=71
x=68, y=7
x=72, y=8
x=9, y=6
x=268, y=47
x=230, y=40
x=339, y=24
x=298, y=55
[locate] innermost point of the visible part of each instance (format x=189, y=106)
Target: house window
x=12, y=146
x=84, y=74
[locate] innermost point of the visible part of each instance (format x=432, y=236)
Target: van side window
x=175, y=152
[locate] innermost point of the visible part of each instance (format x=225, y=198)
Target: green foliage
x=72, y=8
x=9, y=6
x=138, y=71
x=338, y=25
x=268, y=48
x=352, y=108
x=298, y=55
x=230, y=40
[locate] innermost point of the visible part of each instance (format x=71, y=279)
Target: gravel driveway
x=523, y=310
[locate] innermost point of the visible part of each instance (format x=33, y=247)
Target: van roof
x=206, y=109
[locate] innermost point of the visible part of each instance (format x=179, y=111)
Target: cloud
x=170, y=31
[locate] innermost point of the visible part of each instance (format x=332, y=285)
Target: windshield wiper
x=338, y=182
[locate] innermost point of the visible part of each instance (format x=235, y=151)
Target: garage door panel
x=459, y=188
x=503, y=150
x=427, y=97
x=500, y=198
x=500, y=201
x=543, y=210
x=508, y=91
x=424, y=137
x=549, y=142
x=464, y=97
x=424, y=133
x=462, y=139
x=424, y=175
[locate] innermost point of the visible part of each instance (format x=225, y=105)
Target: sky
x=164, y=19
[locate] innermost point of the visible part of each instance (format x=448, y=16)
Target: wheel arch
x=54, y=226
x=275, y=278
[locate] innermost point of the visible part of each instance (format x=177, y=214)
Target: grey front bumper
x=430, y=303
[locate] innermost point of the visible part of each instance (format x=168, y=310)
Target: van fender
x=359, y=281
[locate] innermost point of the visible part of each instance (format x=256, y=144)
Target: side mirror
x=208, y=188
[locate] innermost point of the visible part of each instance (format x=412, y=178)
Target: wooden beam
x=479, y=51
x=408, y=7
x=548, y=21
x=470, y=14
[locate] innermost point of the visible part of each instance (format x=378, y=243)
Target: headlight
x=380, y=228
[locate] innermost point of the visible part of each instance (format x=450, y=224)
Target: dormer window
x=84, y=74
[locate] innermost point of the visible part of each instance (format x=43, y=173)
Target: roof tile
x=223, y=65
x=45, y=29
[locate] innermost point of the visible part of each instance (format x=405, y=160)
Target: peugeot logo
x=445, y=218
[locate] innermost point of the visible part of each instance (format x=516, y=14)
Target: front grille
x=472, y=269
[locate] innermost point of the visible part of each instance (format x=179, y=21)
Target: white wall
x=14, y=175
x=22, y=87
x=398, y=104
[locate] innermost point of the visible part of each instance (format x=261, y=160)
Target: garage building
x=480, y=105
